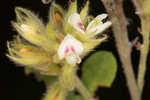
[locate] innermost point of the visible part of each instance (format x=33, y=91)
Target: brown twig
x=135, y=43
x=144, y=53
x=144, y=16
x=115, y=9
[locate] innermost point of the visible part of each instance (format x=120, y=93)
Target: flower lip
x=70, y=48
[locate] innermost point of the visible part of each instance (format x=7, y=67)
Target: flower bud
x=32, y=57
x=33, y=30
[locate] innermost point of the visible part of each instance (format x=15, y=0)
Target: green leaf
x=99, y=70
x=73, y=96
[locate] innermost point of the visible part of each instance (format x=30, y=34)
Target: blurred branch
x=115, y=9
x=144, y=13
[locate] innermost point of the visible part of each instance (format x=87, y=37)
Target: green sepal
x=90, y=44
x=33, y=30
x=33, y=57
x=53, y=24
x=84, y=13
x=28, y=58
x=72, y=9
x=52, y=70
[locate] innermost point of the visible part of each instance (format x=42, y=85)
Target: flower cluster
x=64, y=41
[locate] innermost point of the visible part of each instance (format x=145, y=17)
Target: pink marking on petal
x=72, y=49
x=81, y=26
x=66, y=50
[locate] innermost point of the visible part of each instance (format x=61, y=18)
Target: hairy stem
x=144, y=53
x=55, y=92
x=145, y=23
x=82, y=89
x=115, y=9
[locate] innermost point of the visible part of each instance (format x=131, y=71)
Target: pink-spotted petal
x=69, y=45
x=75, y=21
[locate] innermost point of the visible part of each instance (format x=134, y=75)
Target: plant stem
x=145, y=23
x=144, y=53
x=55, y=92
x=82, y=89
x=115, y=9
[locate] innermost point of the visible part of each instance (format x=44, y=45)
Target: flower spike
x=56, y=48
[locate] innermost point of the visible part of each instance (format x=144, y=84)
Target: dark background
x=15, y=85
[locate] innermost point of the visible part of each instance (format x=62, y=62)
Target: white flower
x=70, y=49
x=75, y=21
x=95, y=26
